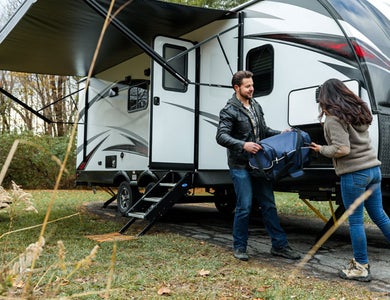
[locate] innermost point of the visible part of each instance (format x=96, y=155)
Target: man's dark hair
x=239, y=76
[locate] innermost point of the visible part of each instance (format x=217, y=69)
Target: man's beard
x=245, y=96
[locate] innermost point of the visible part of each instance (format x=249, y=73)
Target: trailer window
x=137, y=97
x=260, y=61
x=179, y=64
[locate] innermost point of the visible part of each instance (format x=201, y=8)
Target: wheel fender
x=146, y=177
x=121, y=176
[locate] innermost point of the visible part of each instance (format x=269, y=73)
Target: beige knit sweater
x=349, y=146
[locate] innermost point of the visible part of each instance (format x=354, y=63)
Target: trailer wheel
x=225, y=201
x=386, y=206
x=386, y=197
x=149, y=186
x=125, y=197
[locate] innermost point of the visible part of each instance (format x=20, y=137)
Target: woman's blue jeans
x=246, y=187
x=354, y=185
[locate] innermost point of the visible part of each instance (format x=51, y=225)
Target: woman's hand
x=315, y=147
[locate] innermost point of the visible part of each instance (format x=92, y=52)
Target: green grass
x=156, y=265
x=290, y=204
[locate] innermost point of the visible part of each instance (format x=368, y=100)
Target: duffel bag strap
x=257, y=171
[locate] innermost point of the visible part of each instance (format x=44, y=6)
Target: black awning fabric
x=60, y=36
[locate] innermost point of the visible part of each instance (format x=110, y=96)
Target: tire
x=386, y=198
x=386, y=205
x=125, y=197
x=225, y=201
x=149, y=186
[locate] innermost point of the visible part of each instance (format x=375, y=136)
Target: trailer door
x=172, y=141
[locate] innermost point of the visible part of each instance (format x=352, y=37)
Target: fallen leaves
x=204, y=272
x=164, y=291
x=263, y=288
x=110, y=237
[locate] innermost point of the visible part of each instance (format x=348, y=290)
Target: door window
x=179, y=64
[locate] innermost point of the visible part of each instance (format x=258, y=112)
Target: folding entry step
x=159, y=199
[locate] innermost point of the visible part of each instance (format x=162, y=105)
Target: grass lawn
x=158, y=265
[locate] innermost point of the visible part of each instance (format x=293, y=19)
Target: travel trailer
x=148, y=115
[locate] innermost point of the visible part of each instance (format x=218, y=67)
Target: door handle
x=156, y=100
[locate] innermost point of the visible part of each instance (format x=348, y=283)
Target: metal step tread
x=138, y=215
x=152, y=199
x=167, y=184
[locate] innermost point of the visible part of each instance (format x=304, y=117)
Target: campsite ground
x=204, y=222
x=186, y=255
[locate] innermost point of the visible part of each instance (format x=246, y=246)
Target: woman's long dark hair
x=337, y=100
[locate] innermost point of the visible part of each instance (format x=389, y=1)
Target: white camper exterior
x=133, y=132
x=149, y=113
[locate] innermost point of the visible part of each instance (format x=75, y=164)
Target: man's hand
x=252, y=147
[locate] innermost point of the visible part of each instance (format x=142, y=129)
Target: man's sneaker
x=286, y=252
x=240, y=254
x=356, y=271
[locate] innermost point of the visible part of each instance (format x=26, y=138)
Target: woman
x=347, y=119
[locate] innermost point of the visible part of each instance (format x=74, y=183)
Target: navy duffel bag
x=282, y=155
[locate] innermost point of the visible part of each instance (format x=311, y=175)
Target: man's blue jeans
x=246, y=187
x=354, y=185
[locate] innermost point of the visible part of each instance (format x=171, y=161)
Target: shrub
x=35, y=164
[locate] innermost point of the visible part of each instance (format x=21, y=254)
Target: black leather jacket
x=235, y=128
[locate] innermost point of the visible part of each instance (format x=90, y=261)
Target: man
x=241, y=124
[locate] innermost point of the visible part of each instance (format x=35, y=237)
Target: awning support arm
x=203, y=42
x=29, y=108
x=138, y=41
x=216, y=36
x=60, y=99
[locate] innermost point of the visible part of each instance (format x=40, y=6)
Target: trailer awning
x=60, y=37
